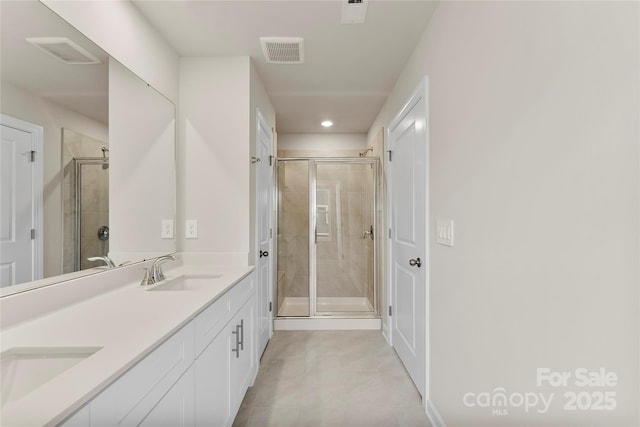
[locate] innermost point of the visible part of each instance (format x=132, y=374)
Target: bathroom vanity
x=181, y=352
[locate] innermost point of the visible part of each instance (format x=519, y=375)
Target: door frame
x=37, y=174
x=421, y=92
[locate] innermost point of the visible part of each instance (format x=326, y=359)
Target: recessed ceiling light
x=327, y=123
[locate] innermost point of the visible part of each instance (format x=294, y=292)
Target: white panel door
x=16, y=207
x=407, y=142
x=264, y=263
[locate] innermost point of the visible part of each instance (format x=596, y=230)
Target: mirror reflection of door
x=86, y=200
x=20, y=201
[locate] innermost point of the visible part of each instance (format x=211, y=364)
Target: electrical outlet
x=191, y=231
x=167, y=229
x=444, y=232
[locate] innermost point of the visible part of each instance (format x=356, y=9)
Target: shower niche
x=86, y=200
x=326, y=247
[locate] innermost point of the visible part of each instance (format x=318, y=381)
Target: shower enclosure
x=326, y=230
x=89, y=215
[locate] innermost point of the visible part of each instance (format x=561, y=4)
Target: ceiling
x=349, y=69
x=80, y=88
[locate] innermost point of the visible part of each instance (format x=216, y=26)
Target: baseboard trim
x=434, y=416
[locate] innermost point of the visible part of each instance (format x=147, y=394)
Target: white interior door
x=408, y=269
x=264, y=263
x=19, y=203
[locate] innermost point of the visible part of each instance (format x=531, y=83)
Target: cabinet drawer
x=210, y=322
x=241, y=292
x=132, y=396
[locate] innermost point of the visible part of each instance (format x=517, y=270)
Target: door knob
x=415, y=262
x=264, y=254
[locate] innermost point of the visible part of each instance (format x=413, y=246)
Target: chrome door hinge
x=271, y=233
x=270, y=306
x=389, y=311
x=270, y=160
x=389, y=233
x=32, y=159
x=389, y=151
x=33, y=233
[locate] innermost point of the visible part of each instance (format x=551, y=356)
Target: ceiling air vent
x=354, y=11
x=283, y=50
x=64, y=49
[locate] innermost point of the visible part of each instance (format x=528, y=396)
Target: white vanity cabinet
x=151, y=387
x=197, y=377
x=227, y=365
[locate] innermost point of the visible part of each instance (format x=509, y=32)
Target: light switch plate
x=167, y=229
x=191, y=231
x=444, y=232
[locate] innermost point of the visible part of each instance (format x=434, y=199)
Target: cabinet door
x=177, y=407
x=212, y=383
x=243, y=366
x=133, y=396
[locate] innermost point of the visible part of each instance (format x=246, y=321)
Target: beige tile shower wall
x=293, y=231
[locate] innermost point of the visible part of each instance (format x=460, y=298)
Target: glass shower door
x=344, y=233
x=293, y=238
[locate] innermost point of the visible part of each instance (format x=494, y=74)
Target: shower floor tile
x=332, y=379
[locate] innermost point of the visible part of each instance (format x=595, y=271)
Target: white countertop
x=128, y=323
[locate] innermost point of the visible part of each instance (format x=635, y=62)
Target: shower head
x=364, y=153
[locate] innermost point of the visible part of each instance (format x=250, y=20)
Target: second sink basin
x=25, y=369
x=186, y=282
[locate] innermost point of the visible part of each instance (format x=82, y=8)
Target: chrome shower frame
x=312, y=185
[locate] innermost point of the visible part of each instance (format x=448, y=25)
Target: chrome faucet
x=156, y=268
x=108, y=261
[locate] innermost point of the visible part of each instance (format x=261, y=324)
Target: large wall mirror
x=103, y=181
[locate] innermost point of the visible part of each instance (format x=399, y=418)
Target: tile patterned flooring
x=331, y=379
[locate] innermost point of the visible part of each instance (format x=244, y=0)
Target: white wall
x=322, y=142
x=142, y=175
x=120, y=29
x=534, y=154
x=214, y=153
x=52, y=117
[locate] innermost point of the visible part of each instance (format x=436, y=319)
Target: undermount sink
x=186, y=282
x=24, y=369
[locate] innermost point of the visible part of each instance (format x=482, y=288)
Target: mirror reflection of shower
x=86, y=201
